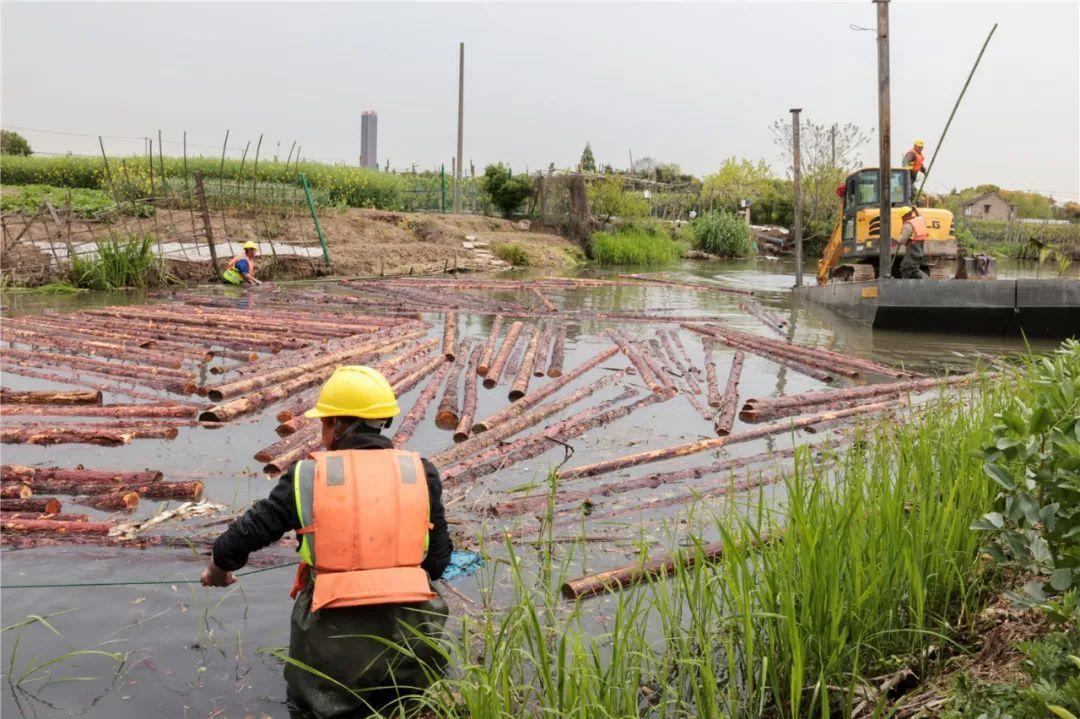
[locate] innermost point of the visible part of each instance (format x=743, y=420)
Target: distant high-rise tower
x=369, y=131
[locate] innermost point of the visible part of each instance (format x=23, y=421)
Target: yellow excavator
x=855, y=239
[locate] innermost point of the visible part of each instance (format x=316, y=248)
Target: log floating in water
x=729, y=403
x=400, y=365
x=55, y=526
x=632, y=353
x=279, y=464
x=544, y=300
x=521, y=383
x=769, y=353
x=191, y=490
x=15, y=491
x=710, y=372
x=118, y=501
x=682, y=450
x=767, y=317
x=82, y=434
x=468, y=406
x=491, y=377
x=56, y=517
x=22, y=473
x=514, y=363
x=446, y=416
x=759, y=410
x=419, y=408
x=543, y=393
x=543, y=352
x=54, y=377
x=108, y=410
x=285, y=444
x=489, y=346
x=41, y=505
x=76, y=397
x=406, y=383
x=558, y=354
x=449, y=343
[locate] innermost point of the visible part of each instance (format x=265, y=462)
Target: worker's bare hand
x=213, y=576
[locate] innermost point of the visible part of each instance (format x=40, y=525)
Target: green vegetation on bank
x=511, y=252
x=724, y=234
x=91, y=204
x=118, y=263
x=869, y=561
x=645, y=245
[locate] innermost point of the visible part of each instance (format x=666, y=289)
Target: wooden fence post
x=201, y=191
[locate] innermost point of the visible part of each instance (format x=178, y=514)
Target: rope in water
x=136, y=582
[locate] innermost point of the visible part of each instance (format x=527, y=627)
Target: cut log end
x=515, y=395
x=490, y=383
x=446, y=420
x=209, y=415
x=554, y=373
x=460, y=436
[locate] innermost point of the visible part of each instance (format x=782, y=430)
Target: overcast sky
x=684, y=83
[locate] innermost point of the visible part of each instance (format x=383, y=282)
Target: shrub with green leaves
x=638, y=245
x=608, y=199
x=91, y=204
x=724, y=234
x=118, y=263
x=506, y=191
x=511, y=252
x=1035, y=460
x=12, y=143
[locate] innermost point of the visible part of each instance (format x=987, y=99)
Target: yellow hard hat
x=251, y=246
x=355, y=391
x=918, y=143
x=906, y=210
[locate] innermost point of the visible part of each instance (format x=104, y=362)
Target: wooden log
x=39, y=358
x=522, y=421
x=82, y=434
x=92, y=348
x=294, y=425
x=468, y=406
x=758, y=410
x=767, y=317
x=697, y=287
x=632, y=353
x=538, y=502
x=151, y=490
x=53, y=377
x=710, y=372
x=52, y=526
x=449, y=342
x=489, y=346
x=521, y=382
x=11, y=516
x=491, y=377
x=683, y=450
x=677, y=341
x=768, y=353
x=543, y=393
x=286, y=443
x=406, y=383
x=126, y=338
x=281, y=463
x=119, y=501
x=77, y=397
x=543, y=351
x=22, y=473
x=729, y=403
x=409, y=361
x=420, y=406
x=46, y=505
x=544, y=300
x=14, y=490
x=446, y=416
x=652, y=353
x=558, y=354
x=514, y=363
x=108, y=410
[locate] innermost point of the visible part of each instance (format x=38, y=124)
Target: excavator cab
x=856, y=236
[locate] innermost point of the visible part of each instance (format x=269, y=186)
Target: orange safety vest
x=917, y=164
x=919, y=231
x=364, y=518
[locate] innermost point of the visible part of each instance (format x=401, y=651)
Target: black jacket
x=269, y=519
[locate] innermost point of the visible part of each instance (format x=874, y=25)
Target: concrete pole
x=797, y=177
x=460, y=125
x=884, y=143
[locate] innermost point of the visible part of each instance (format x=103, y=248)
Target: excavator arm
x=831, y=254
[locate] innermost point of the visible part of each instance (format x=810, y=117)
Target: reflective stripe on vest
x=364, y=517
x=919, y=231
x=232, y=277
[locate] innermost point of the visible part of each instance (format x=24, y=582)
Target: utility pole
x=460, y=125
x=884, y=148
x=797, y=175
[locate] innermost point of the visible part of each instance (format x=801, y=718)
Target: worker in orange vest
x=241, y=268
x=913, y=160
x=913, y=236
x=372, y=535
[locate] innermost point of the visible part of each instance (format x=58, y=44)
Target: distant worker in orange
x=913, y=236
x=241, y=268
x=913, y=160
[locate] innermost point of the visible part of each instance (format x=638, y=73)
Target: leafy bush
x=12, y=143
x=118, y=263
x=511, y=252
x=993, y=232
x=1035, y=459
x=507, y=192
x=635, y=246
x=84, y=203
x=724, y=234
x=608, y=199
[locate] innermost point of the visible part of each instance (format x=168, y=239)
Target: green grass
x=93, y=204
x=118, y=263
x=871, y=560
x=644, y=246
x=723, y=234
x=511, y=252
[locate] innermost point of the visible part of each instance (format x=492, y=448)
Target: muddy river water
x=193, y=652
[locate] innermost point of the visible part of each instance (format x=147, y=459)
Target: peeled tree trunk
x=279, y=464
x=401, y=365
x=525, y=372
x=406, y=383
x=710, y=372
x=92, y=348
x=651, y=381
x=491, y=378
x=489, y=346
x=42, y=505
x=449, y=343
x=15, y=491
x=419, y=408
x=71, y=397
x=22, y=473
x=770, y=353
x=544, y=300
x=82, y=434
x=51, y=526
x=558, y=354
x=725, y=417
x=39, y=358
x=543, y=393
x=446, y=416
x=468, y=405
x=120, y=501
x=190, y=490
x=542, y=354
x=56, y=517
x=683, y=450
x=107, y=410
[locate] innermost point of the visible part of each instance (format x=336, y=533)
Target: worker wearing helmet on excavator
x=913, y=236
x=241, y=268
x=372, y=535
x=913, y=160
